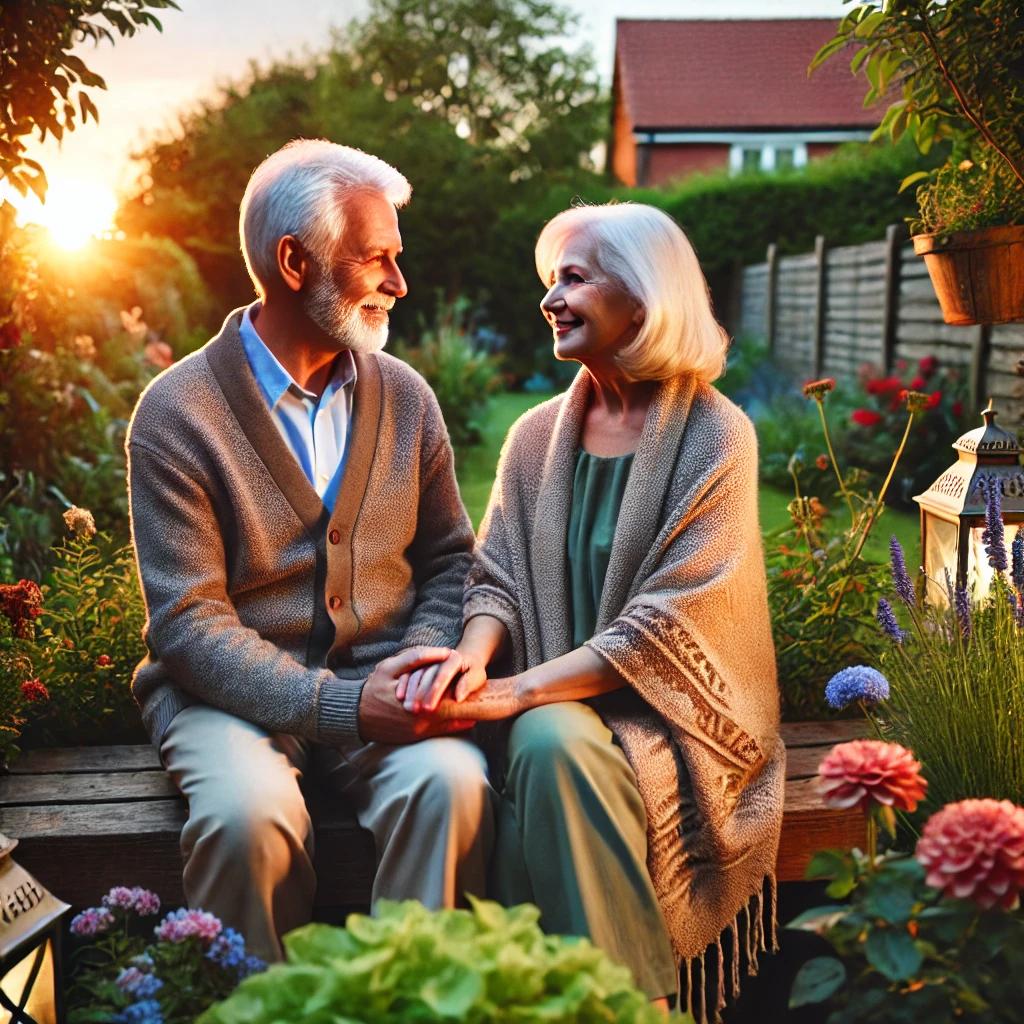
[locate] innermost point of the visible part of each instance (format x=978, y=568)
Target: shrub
x=68, y=649
x=461, y=375
x=408, y=963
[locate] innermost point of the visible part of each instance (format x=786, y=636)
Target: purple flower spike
x=900, y=577
x=962, y=603
x=1017, y=553
x=887, y=620
x=993, y=538
x=859, y=683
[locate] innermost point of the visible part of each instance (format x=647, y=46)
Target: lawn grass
x=475, y=470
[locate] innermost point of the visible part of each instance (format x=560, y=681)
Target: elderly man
x=302, y=546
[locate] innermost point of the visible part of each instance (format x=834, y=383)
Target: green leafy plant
x=68, y=649
x=957, y=65
x=486, y=964
x=461, y=376
x=934, y=936
x=822, y=591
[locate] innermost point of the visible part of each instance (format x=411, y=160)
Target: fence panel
x=878, y=306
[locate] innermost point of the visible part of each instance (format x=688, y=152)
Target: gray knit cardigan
x=684, y=619
x=259, y=601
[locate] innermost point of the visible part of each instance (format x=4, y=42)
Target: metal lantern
x=953, y=508
x=30, y=924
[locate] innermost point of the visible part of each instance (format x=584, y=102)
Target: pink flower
x=866, y=417
x=159, y=354
x=141, y=901
x=34, y=691
x=862, y=772
x=974, y=850
x=181, y=925
x=93, y=921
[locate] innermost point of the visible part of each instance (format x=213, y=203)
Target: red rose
x=958, y=408
x=917, y=384
x=933, y=399
x=34, y=691
x=928, y=365
x=866, y=417
x=104, y=661
x=821, y=462
x=883, y=385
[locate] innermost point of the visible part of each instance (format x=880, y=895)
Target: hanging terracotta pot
x=977, y=275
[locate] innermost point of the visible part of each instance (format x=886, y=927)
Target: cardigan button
x=334, y=602
x=334, y=536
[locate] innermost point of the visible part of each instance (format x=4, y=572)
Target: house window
x=767, y=155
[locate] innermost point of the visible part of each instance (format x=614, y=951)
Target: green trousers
x=572, y=838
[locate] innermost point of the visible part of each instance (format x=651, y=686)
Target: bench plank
x=814, y=734
x=85, y=787
x=130, y=757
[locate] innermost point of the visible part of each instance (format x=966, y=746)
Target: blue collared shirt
x=315, y=429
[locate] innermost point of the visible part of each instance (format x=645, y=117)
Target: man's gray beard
x=339, y=319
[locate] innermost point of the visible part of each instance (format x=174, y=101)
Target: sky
x=152, y=76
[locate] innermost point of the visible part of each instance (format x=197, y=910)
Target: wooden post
x=894, y=235
x=772, y=287
x=820, y=300
x=981, y=347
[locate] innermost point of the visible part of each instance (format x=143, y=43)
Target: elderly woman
x=619, y=575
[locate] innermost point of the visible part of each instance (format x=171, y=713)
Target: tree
x=470, y=100
x=42, y=83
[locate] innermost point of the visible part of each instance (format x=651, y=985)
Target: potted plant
x=958, y=67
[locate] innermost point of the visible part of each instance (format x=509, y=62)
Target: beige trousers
x=248, y=841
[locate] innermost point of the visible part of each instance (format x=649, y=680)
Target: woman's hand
x=500, y=698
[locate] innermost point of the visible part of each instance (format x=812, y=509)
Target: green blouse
x=597, y=492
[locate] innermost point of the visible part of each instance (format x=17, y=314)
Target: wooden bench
x=89, y=818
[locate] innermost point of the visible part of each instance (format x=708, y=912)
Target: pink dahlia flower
x=862, y=772
x=974, y=850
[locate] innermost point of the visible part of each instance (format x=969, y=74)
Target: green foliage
x=43, y=85
x=956, y=698
x=486, y=964
x=959, y=68
x=904, y=953
x=461, y=376
x=822, y=590
x=476, y=103
x=82, y=648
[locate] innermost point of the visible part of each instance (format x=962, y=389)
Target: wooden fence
x=830, y=311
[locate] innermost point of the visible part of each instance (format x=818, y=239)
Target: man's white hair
x=644, y=249
x=300, y=190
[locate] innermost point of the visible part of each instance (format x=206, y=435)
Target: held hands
x=384, y=720
x=422, y=689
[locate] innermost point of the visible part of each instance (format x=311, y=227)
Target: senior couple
x=316, y=605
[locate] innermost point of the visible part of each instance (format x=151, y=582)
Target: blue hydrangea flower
x=993, y=537
x=137, y=983
x=228, y=949
x=858, y=684
x=251, y=965
x=900, y=577
x=887, y=620
x=146, y=1012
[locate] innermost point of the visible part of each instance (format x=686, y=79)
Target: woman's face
x=591, y=315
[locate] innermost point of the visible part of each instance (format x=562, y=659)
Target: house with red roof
x=703, y=95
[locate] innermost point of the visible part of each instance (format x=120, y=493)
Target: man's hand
x=382, y=718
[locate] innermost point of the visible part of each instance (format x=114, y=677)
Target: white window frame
x=768, y=148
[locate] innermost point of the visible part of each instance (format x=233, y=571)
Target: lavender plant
x=956, y=673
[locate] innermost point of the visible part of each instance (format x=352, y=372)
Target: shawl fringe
x=707, y=992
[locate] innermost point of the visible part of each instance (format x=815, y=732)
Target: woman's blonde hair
x=646, y=252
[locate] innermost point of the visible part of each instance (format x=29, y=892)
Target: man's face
x=348, y=295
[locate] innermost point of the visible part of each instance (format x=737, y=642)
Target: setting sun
x=75, y=211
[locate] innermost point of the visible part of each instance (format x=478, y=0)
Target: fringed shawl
x=684, y=619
